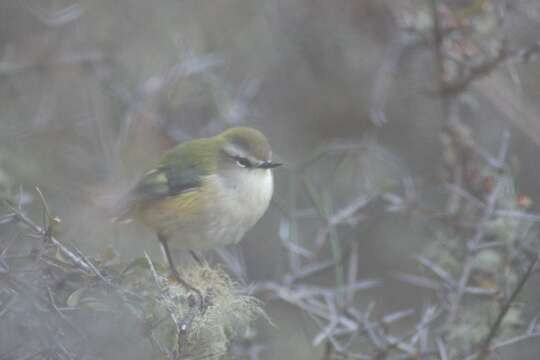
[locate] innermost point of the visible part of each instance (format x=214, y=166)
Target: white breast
x=245, y=196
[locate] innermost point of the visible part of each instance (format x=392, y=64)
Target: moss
x=227, y=313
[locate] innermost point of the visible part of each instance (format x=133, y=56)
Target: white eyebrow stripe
x=236, y=151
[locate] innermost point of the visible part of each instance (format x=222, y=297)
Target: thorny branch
x=59, y=305
x=342, y=325
x=473, y=244
x=44, y=232
x=485, y=346
x=411, y=37
x=347, y=329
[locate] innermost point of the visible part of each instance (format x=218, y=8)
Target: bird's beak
x=269, y=165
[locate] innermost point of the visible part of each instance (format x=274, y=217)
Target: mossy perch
x=55, y=307
x=206, y=333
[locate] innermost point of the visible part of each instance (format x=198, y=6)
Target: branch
x=78, y=261
x=485, y=347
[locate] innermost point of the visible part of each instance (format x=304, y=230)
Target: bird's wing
x=158, y=183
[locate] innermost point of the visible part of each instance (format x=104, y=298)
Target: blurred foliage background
x=92, y=92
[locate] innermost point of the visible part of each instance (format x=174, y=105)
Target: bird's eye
x=243, y=162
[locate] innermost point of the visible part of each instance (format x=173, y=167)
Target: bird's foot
x=203, y=304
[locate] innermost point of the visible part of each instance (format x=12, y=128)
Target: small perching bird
x=204, y=193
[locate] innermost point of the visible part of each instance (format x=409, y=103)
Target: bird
x=204, y=193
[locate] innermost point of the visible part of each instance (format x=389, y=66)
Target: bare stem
x=485, y=347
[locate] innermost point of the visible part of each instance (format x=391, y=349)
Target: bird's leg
x=175, y=273
x=196, y=257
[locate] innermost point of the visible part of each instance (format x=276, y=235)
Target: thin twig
x=485, y=347
x=65, y=251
